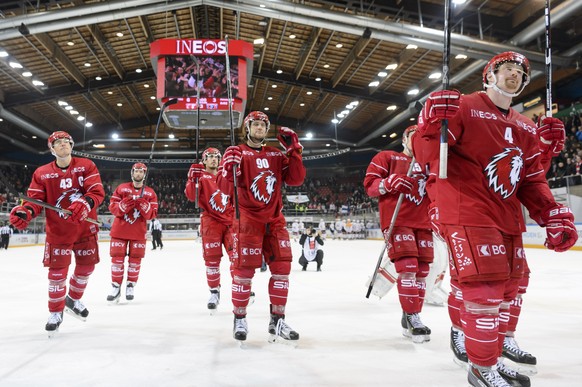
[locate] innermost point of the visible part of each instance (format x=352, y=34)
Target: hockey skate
x=240, y=329
x=76, y=308
x=458, y=348
x=520, y=360
x=129, y=289
x=115, y=294
x=485, y=377
x=413, y=328
x=511, y=376
x=280, y=332
x=251, y=298
x=214, y=300
x=53, y=323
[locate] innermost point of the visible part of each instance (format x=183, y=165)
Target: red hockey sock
x=455, y=306
x=133, y=269
x=481, y=330
x=57, y=289
x=213, y=274
x=408, y=292
x=79, y=280
x=117, y=269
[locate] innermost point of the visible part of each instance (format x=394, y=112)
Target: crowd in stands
x=566, y=169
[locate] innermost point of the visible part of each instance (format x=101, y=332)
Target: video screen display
x=182, y=80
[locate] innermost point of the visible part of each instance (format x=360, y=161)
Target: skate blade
x=274, y=339
x=212, y=311
x=525, y=369
x=75, y=315
x=460, y=363
x=417, y=339
x=114, y=302
x=420, y=339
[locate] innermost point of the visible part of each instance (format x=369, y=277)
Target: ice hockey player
x=215, y=220
x=410, y=246
x=133, y=204
x=260, y=173
x=73, y=184
x=499, y=167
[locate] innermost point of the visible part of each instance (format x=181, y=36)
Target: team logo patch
x=263, y=186
x=218, y=201
x=417, y=196
x=66, y=198
x=504, y=171
x=134, y=215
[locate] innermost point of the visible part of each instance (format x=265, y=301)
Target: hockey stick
x=169, y=102
x=444, y=148
x=389, y=232
x=548, y=61
x=229, y=93
x=197, y=123
x=55, y=208
x=40, y=203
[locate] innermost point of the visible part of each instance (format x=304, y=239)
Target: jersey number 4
x=508, y=135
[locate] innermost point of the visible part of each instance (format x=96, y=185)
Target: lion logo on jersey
x=134, y=215
x=220, y=204
x=417, y=196
x=263, y=186
x=504, y=171
x=65, y=200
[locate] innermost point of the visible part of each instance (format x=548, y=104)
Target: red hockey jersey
x=60, y=188
x=494, y=164
x=263, y=173
x=414, y=209
x=211, y=199
x=132, y=225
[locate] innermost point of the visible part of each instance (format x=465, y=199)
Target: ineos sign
x=208, y=47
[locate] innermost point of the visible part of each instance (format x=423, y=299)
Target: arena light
x=435, y=75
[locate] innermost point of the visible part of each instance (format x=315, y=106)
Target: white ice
x=166, y=337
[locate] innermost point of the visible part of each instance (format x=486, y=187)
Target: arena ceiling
x=321, y=55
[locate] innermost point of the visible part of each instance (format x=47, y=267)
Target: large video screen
x=182, y=78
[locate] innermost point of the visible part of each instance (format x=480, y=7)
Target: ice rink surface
x=166, y=336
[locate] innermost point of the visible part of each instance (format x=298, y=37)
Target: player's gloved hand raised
x=232, y=156
x=20, y=217
x=441, y=105
x=127, y=204
x=289, y=140
x=560, y=229
x=80, y=209
x=196, y=171
x=397, y=183
x=552, y=135
x=143, y=205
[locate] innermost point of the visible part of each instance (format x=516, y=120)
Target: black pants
x=5, y=241
x=157, y=239
x=318, y=258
